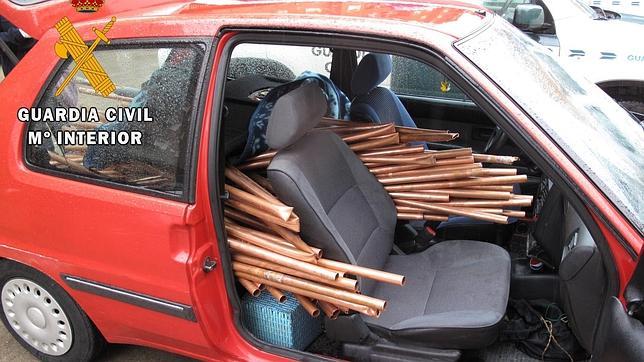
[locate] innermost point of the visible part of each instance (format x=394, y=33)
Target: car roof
x=454, y=18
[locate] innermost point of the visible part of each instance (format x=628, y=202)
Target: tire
x=635, y=107
x=43, y=318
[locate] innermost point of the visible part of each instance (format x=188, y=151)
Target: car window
x=413, y=78
x=283, y=62
x=148, y=149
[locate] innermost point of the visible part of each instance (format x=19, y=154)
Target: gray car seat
x=456, y=292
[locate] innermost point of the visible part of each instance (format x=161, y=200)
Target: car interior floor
x=553, y=260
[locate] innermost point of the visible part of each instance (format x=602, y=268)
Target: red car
x=126, y=244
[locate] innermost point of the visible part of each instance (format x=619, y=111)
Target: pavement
x=12, y=351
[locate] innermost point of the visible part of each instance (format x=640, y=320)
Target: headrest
x=294, y=114
x=373, y=69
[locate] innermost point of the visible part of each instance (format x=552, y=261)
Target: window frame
x=188, y=189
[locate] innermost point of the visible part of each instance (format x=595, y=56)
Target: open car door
x=35, y=17
x=621, y=332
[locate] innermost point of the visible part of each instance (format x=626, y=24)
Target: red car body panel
x=157, y=247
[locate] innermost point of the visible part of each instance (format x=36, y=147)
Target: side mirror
x=528, y=17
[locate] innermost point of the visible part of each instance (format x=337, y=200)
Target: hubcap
x=36, y=317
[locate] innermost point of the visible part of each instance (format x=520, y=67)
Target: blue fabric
x=373, y=69
x=338, y=102
x=381, y=106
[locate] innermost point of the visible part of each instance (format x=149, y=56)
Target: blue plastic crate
x=283, y=324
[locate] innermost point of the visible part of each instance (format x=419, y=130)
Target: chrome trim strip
x=140, y=300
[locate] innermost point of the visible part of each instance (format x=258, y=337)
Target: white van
x=609, y=52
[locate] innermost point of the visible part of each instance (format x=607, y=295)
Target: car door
x=621, y=332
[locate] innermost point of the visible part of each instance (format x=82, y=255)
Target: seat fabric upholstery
x=456, y=291
x=455, y=295
x=373, y=103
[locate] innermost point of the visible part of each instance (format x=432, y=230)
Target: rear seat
x=456, y=292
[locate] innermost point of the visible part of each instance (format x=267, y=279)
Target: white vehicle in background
x=622, y=7
x=609, y=52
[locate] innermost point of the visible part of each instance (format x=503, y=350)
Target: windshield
x=596, y=132
x=570, y=8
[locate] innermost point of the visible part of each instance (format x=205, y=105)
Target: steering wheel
x=496, y=141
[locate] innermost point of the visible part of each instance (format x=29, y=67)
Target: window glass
x=413, y=78
x=148, y=149
x=283, y=62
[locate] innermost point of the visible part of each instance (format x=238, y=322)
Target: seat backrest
x=343, y=209
x=373, y=103
x=548, y=230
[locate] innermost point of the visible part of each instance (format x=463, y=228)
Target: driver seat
x=373, y=103
x=456, y=292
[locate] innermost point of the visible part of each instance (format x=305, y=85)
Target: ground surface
x=12, y=351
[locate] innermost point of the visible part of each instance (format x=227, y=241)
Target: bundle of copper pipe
x=428, y=184
x=269, y=255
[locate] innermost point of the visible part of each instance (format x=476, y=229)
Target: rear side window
x=141, y=135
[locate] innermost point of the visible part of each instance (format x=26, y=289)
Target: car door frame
x=588, y=212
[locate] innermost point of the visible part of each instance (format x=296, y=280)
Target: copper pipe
x=277, y=294
x=391, y=139
x=458, y=152
x=278, y=240
x=420, y=216
x=474, y=194
x=255, y=165
x=251, y=287
x=313, y=295
x=328, y=121
x=262, y=181
x=330, y=310
x=423, y=159
x=264, y=156
x=361, y=136
x=488, y=203
x=265, y=242
x=74, y=166
x=431, y=217
x=344, y=310
x=410, y=216
x=497, y=180
x=501, y=188
x=430, y=137
x=431, y=170
x=252, y=250
x=396, y=168
x=526, y=197
x=292, y=224
x=409, y=210
x=248, y=185
x=378, y=275
x=505, y=160
x=452, y=175
x=341, y=282
x=293, y=238
x=308, y=306
x=394, y=152
x=309, y=285
x=281, y=211
x=455, y=161
x=441, y=209
x=245, y=219
x=514, y=213
x=419, y=196
x=407, y=130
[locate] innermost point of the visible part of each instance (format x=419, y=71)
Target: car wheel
x=635, y=107
x=43, y=318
